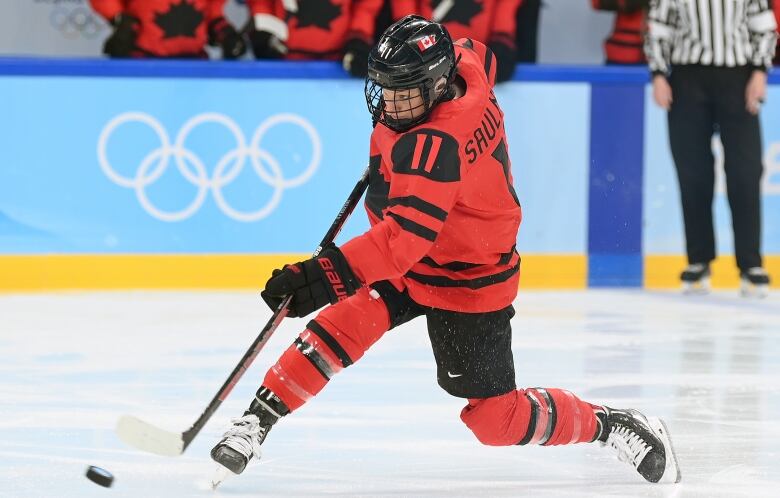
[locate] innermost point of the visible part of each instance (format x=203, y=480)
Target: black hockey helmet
x=414, y=53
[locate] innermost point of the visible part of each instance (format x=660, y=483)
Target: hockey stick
x=144, y=436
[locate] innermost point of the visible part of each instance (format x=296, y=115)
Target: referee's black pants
x=708, y=99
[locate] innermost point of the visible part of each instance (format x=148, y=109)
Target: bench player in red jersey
x=444, y=220
x=168, y=29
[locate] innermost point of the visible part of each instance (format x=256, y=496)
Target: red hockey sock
x=532, y=416
x=338, y=337
x=294, y=379
x=575, y=421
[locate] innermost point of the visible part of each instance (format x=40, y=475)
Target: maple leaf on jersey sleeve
x=319, y=13
x=182, y=19
x=460, y=11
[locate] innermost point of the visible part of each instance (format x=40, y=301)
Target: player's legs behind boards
x=339, y=336
x=554, y=416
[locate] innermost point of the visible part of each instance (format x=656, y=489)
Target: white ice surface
x=72, y=363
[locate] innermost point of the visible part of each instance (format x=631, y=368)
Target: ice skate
x=754, y=282
x=641, y=441
x=243, y=438
x=696, y=279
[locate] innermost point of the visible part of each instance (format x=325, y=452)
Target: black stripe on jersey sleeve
x=467, y=43
x=420, y=205
x=378, y=188
x=488, y=61
x=413, y=227
x=452, y=266
x=474, y=283
x=504, y=259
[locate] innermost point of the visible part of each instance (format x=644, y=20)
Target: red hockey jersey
x=317, y=29
x=167, y=28
x=444, y=214
x=776, y=6
x=480, y=20
x=625, y=44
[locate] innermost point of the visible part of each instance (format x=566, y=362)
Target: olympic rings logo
x=192, y=169
x=79, y=21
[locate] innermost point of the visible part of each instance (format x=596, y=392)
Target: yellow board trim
x=25, y=273
x=250, y=271
x=149, y=271
x=553, y=271
x=663, y=271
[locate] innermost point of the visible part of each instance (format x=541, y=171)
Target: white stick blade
x=147, y=437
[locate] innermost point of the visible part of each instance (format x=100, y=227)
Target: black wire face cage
x=403, y=112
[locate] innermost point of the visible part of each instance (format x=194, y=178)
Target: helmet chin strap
x=457, y=87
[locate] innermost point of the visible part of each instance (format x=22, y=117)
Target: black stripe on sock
x=314, y=358
x=332, y=343
x=531, y=421
x=553, y=415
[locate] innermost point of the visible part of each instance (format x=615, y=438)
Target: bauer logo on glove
x=314, y=283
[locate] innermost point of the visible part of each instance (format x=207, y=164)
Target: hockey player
x=324, y=29
x=444, y=219
x=168, y=28
x=625, y=44
x=492, y=22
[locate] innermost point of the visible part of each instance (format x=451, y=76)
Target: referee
x=709, y=60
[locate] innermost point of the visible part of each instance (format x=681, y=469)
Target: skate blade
x=672, y=472
x=754, y=291
x=699, y=288
x=219, y=477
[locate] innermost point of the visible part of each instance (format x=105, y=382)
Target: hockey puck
x=100, y=476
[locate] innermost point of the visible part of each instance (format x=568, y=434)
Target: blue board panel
x=615, y=186
x=547, y=129
x=176, y=165
x=170, y=165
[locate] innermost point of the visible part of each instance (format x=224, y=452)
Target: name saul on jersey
x=485, y=133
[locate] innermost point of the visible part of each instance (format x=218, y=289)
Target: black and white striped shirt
x=710, y=32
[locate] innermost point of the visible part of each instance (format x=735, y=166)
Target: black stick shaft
x=276, y=319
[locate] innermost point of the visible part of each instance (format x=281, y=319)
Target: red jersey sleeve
x=486, y=57
x=108, y=8
x=426, y=176
x=401, y=8
x=261, y=6
x=505, y=19
x=214, y=9
x=364, y=14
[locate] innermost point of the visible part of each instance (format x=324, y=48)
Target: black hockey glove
x=355, y=59
x=314, y=283
x=266, y=45
x=121, y=43
x=506, y=57
x=223, y=35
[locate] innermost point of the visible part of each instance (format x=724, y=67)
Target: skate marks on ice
x=72, y=363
